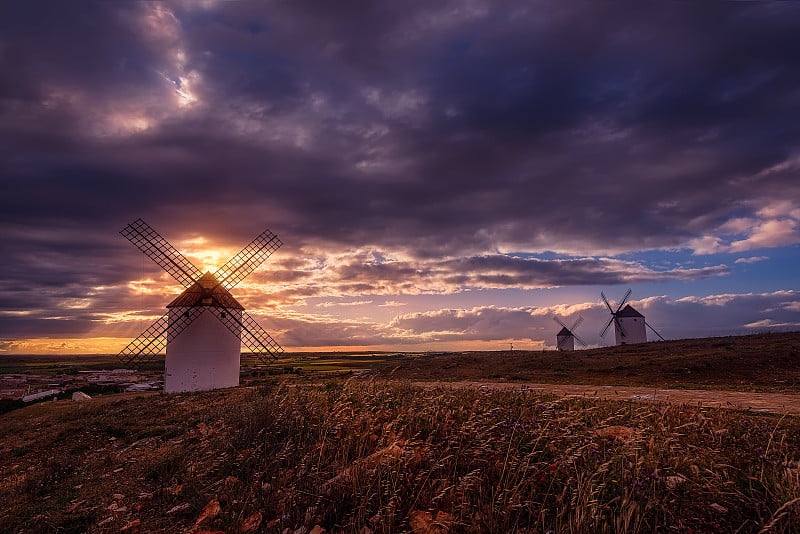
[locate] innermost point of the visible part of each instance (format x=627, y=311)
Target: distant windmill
x=629, y=325
x=205, y=327
x=566, y=337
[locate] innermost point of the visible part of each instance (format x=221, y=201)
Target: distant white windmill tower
x=629, y=325
x=566, y=337
x=205, y=327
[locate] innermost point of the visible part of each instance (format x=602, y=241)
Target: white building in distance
x=629, y=326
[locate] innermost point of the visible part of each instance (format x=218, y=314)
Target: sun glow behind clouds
x=205, y=258
x=96, y=345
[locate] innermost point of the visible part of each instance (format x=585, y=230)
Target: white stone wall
x=206, y=355
x=565, y=343
x=634, y=331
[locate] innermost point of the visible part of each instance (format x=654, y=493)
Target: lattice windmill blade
x=253, y=336
x=162, y=252
x=618, y=324
x=603, y=296
x=579, y=340
x=624, y=300
x=559, y=321
x=606, y=327
x=248, y=259
x=154, y=339
x=654, y=331
x=149, y=343
x=578, y=322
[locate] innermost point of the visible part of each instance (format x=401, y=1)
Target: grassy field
x=764, y=362
x=314, y=362
x=364, y=456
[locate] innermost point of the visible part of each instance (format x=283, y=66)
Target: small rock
x=211, y=511
x=317, y=530
x=301, y=530
x=719, y=508
x=252, y=522
x=132, y=526
x=180, y=509
x=118, y=496
x=674, y=481
x=105, y=521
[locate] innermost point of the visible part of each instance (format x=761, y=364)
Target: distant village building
x=629, y=326
x=41, y=395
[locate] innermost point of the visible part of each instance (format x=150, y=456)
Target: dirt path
x=783, y=403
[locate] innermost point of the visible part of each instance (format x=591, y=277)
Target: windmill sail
x=248, y=259
x=566, y=336
x=629, y=324
x=204, y=292
x=154, y=339
x=160, y=251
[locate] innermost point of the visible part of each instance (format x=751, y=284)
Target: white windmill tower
x=205, y=326
x=629, y=325
x=566, y=337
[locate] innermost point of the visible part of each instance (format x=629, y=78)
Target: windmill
x=629, y=324
x=566, y=337
x=205, y=326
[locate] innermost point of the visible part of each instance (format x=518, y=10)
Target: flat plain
x=303, y=451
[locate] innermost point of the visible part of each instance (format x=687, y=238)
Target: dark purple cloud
x=446, y=134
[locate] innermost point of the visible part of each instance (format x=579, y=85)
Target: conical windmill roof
x=564, y=332
x=206, y=291
x=629, y=311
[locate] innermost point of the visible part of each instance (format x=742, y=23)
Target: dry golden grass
x=362, y=456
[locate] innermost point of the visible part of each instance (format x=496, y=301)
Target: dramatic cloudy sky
x=444, y=175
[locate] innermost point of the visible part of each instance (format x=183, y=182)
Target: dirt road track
x=783, y=403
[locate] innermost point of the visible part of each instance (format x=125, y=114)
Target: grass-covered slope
x=756, y=362
x=365, y=457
